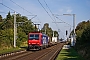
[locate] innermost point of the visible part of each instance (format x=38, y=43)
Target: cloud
x=68, y=10
x=65, y=10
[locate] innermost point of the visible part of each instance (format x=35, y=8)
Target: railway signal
x=66, y=32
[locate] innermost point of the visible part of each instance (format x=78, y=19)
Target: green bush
x=83, y=40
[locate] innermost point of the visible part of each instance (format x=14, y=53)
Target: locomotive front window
x=34, y=37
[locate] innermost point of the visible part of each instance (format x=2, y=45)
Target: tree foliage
x=0, y=18
x=83, y=39
x=7, y=30
x=24, y=26
x=47, y=30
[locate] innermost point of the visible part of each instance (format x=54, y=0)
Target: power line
x=20, y=6
x=45, y=9
x=50, y=11
x=52, y=15
x=7, y=7
x=63, y=21
x=48, y=7
x=47, y=12
x=24, y=9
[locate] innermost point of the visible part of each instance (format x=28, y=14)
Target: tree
x=8, y=17
x=83, y=39
x=1, y=22
x=46, y=29
x=8, y=23
x=56, y=34
x=86, y=35
x=81, y=25
x=0, y=18
x=7, y=30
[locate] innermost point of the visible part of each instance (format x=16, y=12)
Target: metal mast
x=14, y=29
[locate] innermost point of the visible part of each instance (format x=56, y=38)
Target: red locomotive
x=37, y=40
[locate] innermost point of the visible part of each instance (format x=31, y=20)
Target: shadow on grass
x=69, y=54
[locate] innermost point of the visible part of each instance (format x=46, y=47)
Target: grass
x=69, y=54
x=11, y=50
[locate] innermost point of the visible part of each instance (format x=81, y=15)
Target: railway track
x=52, y=54
x=12, y=53
x=45, y=54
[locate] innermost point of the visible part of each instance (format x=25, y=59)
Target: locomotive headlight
x=29, y=43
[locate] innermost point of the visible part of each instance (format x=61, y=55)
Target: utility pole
x=53, y=33
x=59, y=32
x=74, y=37
x=14, y=29
x=45, y=29
x=74, y=23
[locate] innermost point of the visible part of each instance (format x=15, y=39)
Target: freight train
x=37, y=40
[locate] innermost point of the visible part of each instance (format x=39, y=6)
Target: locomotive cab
x=37, y=41
x=33, y=41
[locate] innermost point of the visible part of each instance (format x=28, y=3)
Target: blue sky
x=81, y=9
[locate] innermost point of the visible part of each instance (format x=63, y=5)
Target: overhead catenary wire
x=4, y=12
x=20, y=6
x=26, y=10
x=63, y=21
x=53, y=16
x=50, y=10
x=48, y=6
x=15, y=27
x=8, y=7
x=46, y=11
